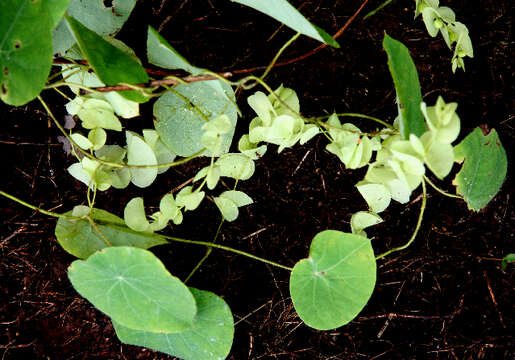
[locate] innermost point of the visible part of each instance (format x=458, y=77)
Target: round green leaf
x=25, y=49
x=210, y=337
x=133, y=287
x=362, y=220
x=235, y=165
x=332, y=286
x=81, y=239
x=227, y=207
x=181, y=114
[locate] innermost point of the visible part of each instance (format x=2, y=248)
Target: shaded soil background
x=446, y=297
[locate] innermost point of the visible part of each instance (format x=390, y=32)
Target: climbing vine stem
x=419, y=222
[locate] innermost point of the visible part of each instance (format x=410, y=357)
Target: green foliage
x=442, y=19
x=508, y=259
x=95, y=16
x=484, y=169
x=352, y=148
x=150, y=307
x=181, y=114
x=363, y=219
x=332, y=286
x=96, y=231
x=209, y=338
x=284, y=12
x=112, y=65
x=26, y=47
x=162, y=54
x=278, y=120
x=407, y=86
x=229, y=201
x=134, y=288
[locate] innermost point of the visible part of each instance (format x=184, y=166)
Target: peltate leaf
x=210, y=337
x=180, y=115
x=133, y=287
x=334, y=283
x=405, y=77
x=81, y=239
x=484, y=169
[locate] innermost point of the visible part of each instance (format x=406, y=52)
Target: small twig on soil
x=403, y=316
x=492, y=296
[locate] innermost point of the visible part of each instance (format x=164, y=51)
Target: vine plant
x=196, y=116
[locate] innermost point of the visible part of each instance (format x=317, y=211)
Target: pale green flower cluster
x=170, y=209
x=352, y=148
x=278, y=120
x=399, y=166
x=99, y=115
x=441, y=19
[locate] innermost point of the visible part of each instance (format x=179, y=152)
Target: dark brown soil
x=446, y=297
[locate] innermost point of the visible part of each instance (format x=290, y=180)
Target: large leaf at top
x=81, y=239
x=181, y=113
x=407, y=86
x=210, y=337
x=133, y=287
x=484, y=169
x=102, y=19
x=96, y=16
x=334, y=283
x=25, y=50
x=111, y=65
x=162, y=54
x=283, y=11
x=55, y=10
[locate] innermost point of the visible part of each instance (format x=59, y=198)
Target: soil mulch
x=445, y=297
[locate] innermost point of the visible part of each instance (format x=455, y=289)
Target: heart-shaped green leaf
x=81, y=239
x=484, y=169
x=332, y=286
x=133, y=287
x=210, y=337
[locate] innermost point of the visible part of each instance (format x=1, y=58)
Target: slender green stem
x=440, y=190
x=373, y=12
x=225, y=248
x=35, y=208
x=276, y=57
x=363, y=116
x=208, y=252
x=64, y=83
x=186, y=241
x=419, y=222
